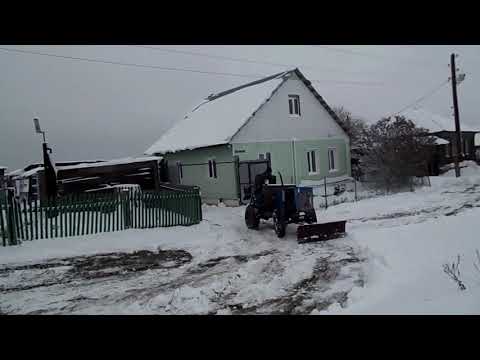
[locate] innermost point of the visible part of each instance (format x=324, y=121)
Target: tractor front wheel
x=279, y=223
x=311, y=217
x=251, y=219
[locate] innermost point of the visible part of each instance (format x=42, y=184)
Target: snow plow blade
x=321, y=232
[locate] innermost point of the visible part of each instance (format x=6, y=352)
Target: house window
x=332, y=155
x=261, y=156
x=465, y=147
x=447, y=150
x=294, y=105
x=212, y=169
x=312, y=162
x=269, y=156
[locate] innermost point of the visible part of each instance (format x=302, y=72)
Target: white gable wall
x=273, y=121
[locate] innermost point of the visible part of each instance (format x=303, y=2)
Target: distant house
x=281, y=119
x=443, y=129
x=477, y=146
x=82, y=176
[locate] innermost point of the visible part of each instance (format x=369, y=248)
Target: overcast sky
x=94, y=110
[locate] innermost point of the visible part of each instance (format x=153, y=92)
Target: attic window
x=294, y=105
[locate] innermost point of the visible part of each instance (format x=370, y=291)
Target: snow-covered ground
x=407, y=238
x=218, y=266
x=390, y=262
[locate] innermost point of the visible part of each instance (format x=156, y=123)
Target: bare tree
x=357, y=130
x=453, y=272
x=396, y=151
x=476, y=262
x=356, y=127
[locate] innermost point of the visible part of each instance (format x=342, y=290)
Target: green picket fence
x=91, y=214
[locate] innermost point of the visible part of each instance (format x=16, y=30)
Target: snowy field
x=390, y=262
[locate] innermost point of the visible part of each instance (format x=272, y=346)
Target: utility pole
x=457, y=117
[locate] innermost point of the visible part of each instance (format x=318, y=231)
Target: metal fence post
x=325, y=186
x=355, y=182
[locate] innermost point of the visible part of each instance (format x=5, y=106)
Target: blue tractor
x=287, y=204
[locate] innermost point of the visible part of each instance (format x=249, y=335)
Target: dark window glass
x=294, y=104
x=180, y=169
x=314, y=165
x=331, y=156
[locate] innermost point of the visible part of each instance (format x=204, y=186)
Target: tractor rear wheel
x=251, y=219
x=279, y=222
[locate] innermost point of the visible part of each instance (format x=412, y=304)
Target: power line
x=375, y=56
x=177, y=69
x=242, y=60
x=127, y=64
x=348, y=51
x=430, y=93
x=176, y=51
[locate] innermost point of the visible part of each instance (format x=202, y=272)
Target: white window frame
x=309, y=162
x=212, y=170
x=335, y=168
x=294, y=98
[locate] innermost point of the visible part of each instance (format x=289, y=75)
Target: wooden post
x=458, y=141
x=57, y=214
x=2, y=224
x=12, y=236
x=18, y=208
x=46, y=211
x=24, y=202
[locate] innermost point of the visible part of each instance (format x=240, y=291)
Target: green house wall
x=285, y=155
x=195, y=171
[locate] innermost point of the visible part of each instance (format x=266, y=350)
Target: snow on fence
x=95, y=213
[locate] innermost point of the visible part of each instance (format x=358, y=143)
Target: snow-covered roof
x=219, y=117
x=440, y=141
x=21, y=173
x=128, y=160
x=434, y=122
x=15, y=172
